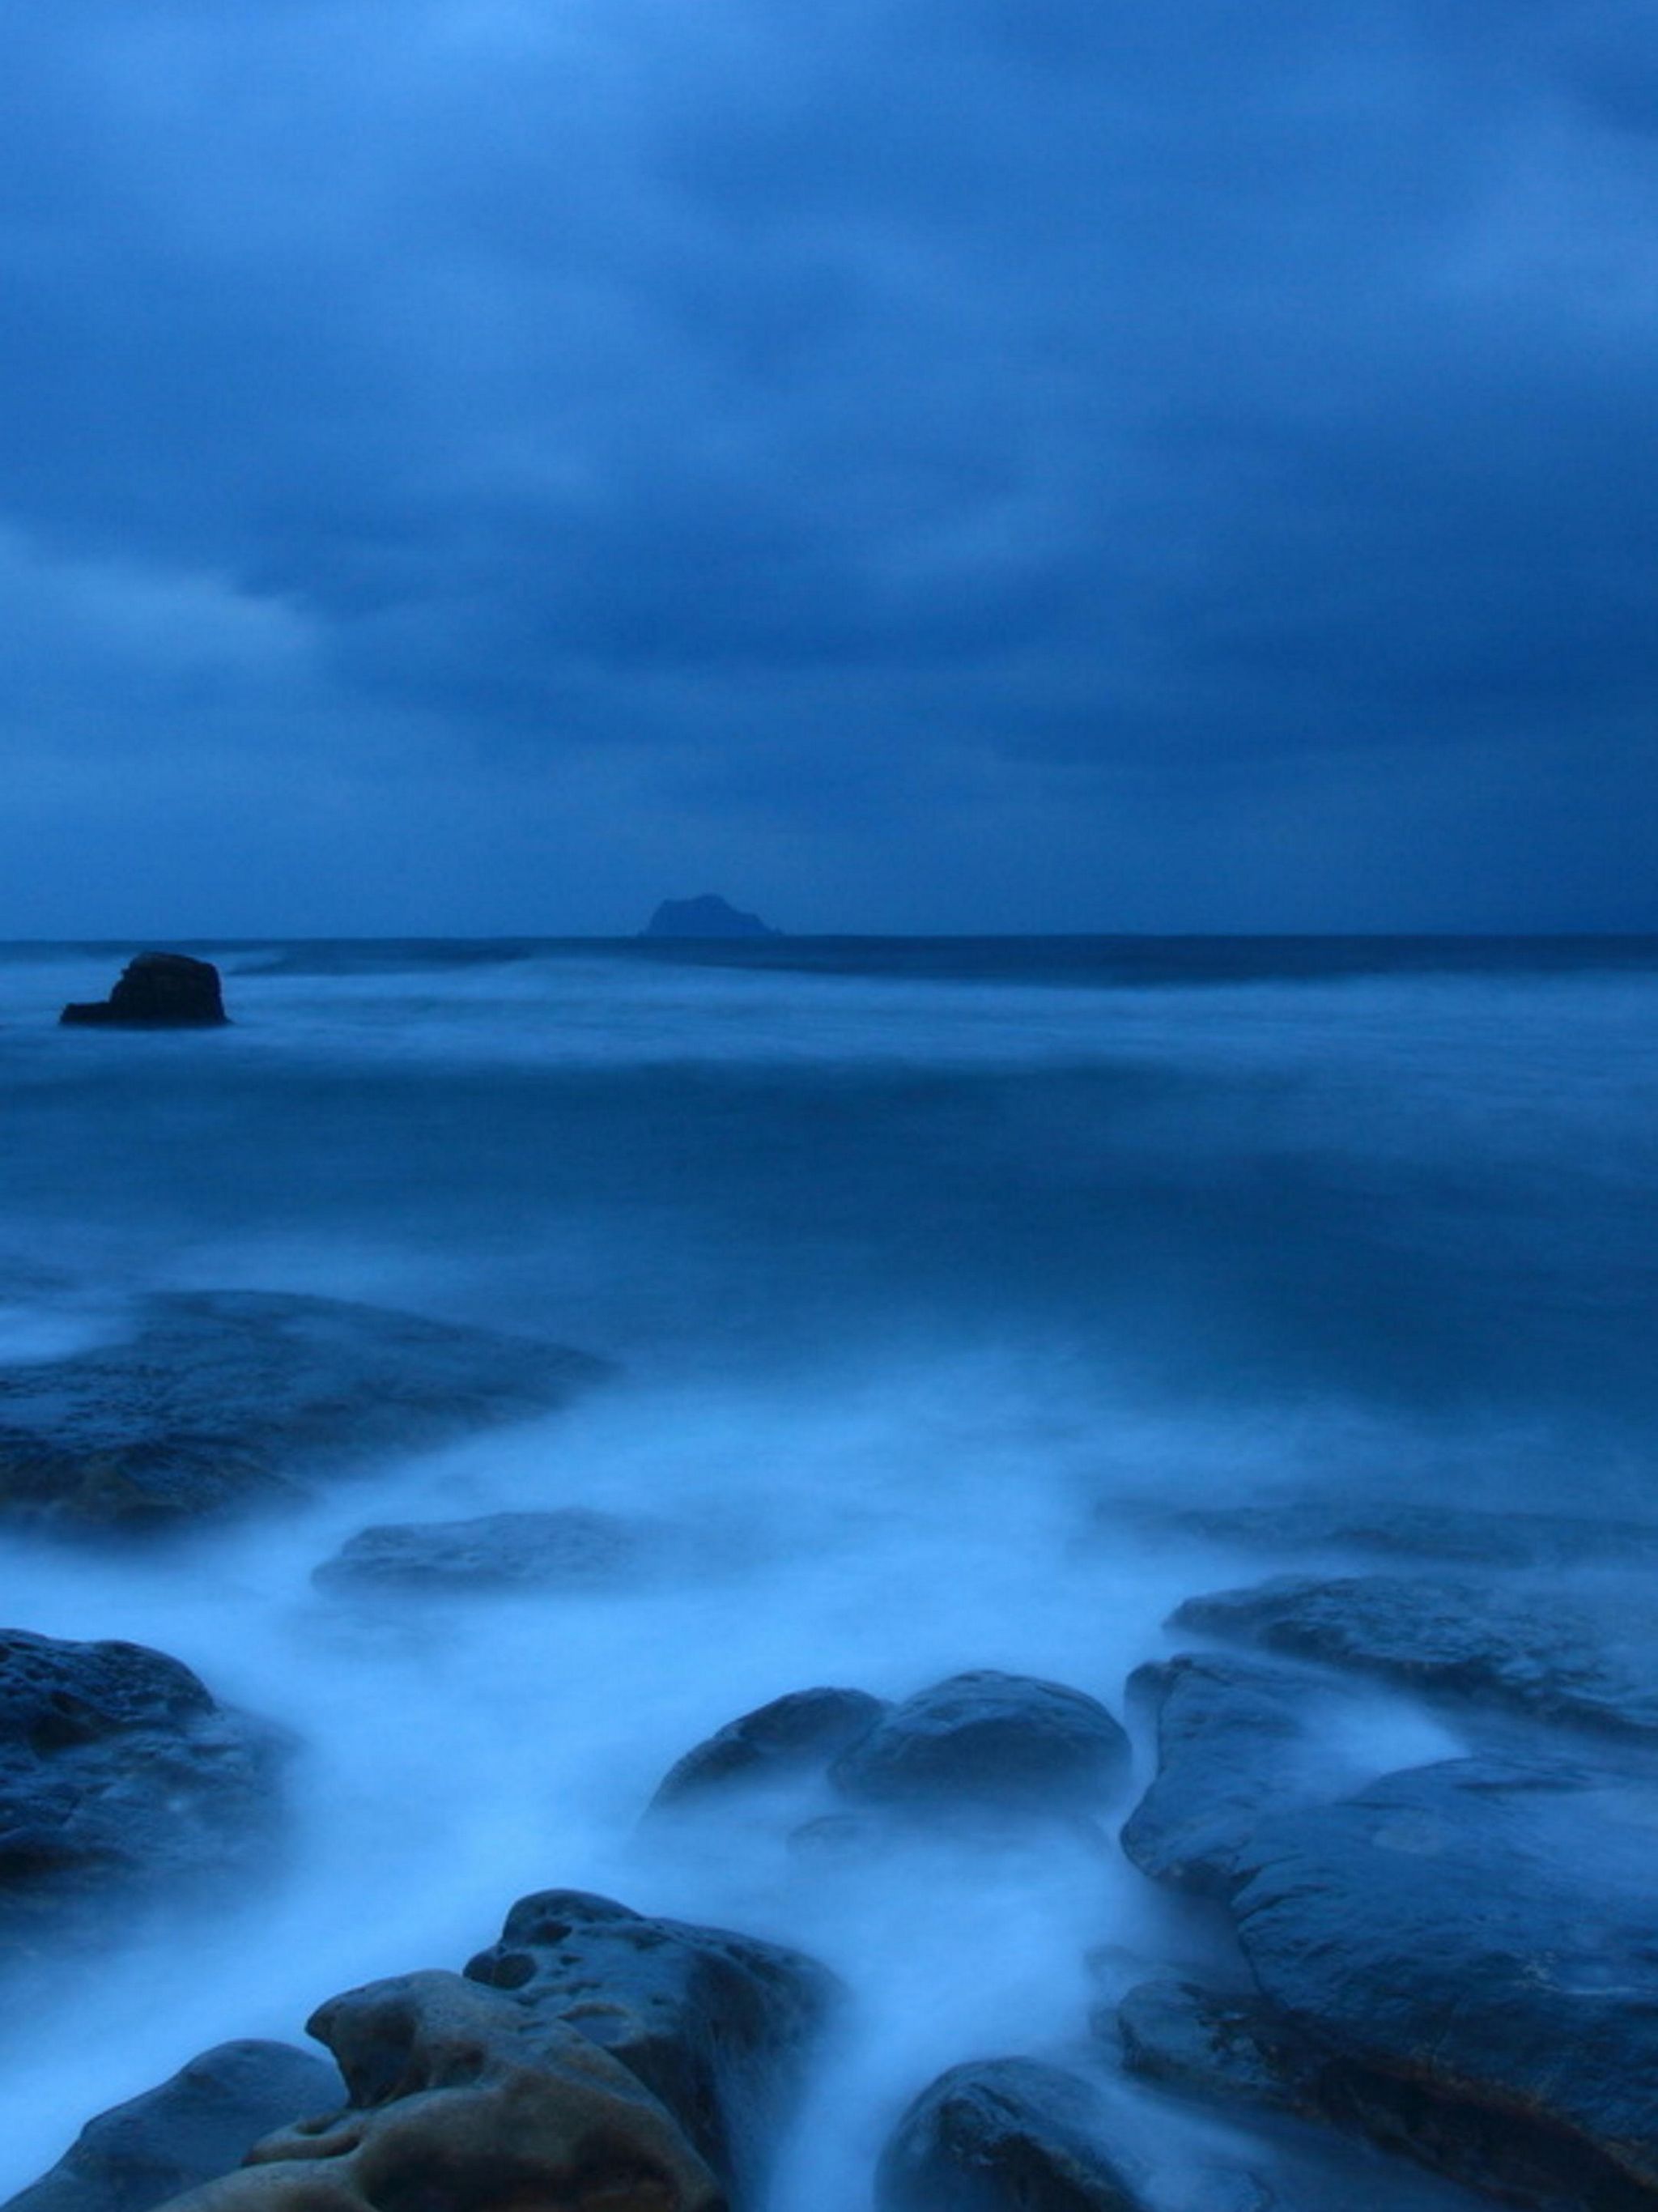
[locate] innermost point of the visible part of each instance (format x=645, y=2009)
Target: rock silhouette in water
x=708, y=916
x=156, y=991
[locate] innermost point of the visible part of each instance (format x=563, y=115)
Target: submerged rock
x=1003, y=2135
x=717, y=2027
x=158, y=990
x=1003, y=1742
x=463, y=2099
x=193, y=2128
x=1409, y=1529
x=793, y=1736
x=1530, y=1651
x=224, y=1400
x=571, y=1548
x=707, y=916
x=120, y=1780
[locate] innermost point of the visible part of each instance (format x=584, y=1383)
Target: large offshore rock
x=200, y=2125
x=1238, y=1739
x=995, y=1741
x=568, y=1548
x=1003, y=2135
x=1467, y=1952
x=121, y=1779
x=464, y=2100
x=708, y=915
x=156, y=990
x=224, y=1400
x=718, y=2027
x=793, y=1736
x=1529, y=1652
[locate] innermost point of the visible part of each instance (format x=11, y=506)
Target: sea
x=941, y=1281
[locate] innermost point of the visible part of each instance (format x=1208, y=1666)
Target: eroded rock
x=156, y=990
x=1005, y=2135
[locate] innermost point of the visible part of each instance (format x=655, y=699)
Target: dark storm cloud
x=974, y=428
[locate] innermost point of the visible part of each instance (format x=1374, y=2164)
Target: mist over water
x=908, y=1271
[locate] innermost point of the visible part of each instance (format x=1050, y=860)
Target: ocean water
x=934, y=1274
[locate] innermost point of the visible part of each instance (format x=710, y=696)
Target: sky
x=486, y=466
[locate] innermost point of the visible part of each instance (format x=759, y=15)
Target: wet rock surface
x=156, y=990
x=570, y=1549
x=995, y=1741
x=791, y=1736
x=195, y=2127
x=1399, y=1528
x=121, y=1779
x=1003, y=2135
x=718, y=2027
x=224, y=1399
x=1528, y=1650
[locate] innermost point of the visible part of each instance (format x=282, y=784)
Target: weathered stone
x=1529, y=1652
x=157, y=990
x=718, y=2027
x=1003, y=2135
x=570, y=1549
x=1404, y=1528
x=1004, y=1742
x=200, y=2125
x=793, y=1736
x=119, y=1778
x=707, y=916
x=465, y=2100
x=224, y=1400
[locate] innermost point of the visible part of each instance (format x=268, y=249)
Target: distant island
x=707, y=916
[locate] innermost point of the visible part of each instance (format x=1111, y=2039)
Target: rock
x=1528, y=1651
x=1003, y=1742
x=120, y=1778
x=1402, y=1528
x=158, y=990
x=568, y=1549
x=1238, y=1739
x=1003, y=2135
x=464, y=2100
x=718, y=2027
x=1465, y=1954
x=198, y=2126
x=791, y=1736
x=1231, y=2048
x=707, y=916
x=224, y=1400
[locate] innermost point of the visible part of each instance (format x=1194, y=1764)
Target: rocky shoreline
x=1399, y=1992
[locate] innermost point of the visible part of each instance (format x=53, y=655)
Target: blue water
x=910, y=1254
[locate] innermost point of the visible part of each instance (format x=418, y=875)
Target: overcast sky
x=484, y=466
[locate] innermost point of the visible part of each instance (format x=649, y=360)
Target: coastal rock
x=1465, y=1954
x=1229, y=2048
x=1238, y=1739
x=1003, y=2135
x=1405, y=1530
x=463, y=2099
x=707, y=916
x=717, y=2027
x=224, y=1400
x=120, y=1780
x=200, y=2125
x=568, y=1549
x=1529, y=1652
x=1002, y=1743
x=791, y=1736
x=158, y=990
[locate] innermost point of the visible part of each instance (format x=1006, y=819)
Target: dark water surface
x=910, y=1253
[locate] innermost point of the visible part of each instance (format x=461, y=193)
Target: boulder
x=1460, y=1961
x=1003, y=2135
x=1526, y=1651
x=195, y=2127
x=717, y=2027
x=707, y=916
x=792, y=1737
x=121, y=1779
x=158, y=990
x=570, y=1549
x=998, y=1742
x=464, y=2100
x=1238, y=1739
x=224, y=1399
